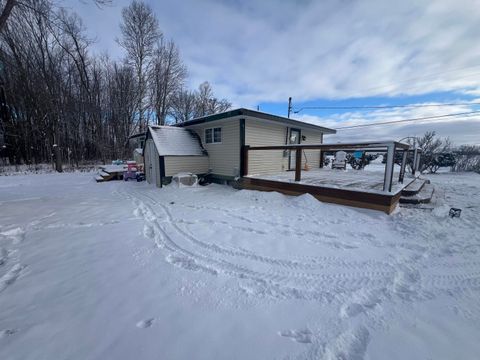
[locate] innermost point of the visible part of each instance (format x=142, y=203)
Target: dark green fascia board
x=168, y=179
x=221, y=177
x=253, y=113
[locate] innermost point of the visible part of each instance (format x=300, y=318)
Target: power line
x=382, y=106
x=408, y=120
x=418, y=84
x=426, y=77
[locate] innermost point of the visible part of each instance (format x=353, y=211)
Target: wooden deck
x=332, y=193
x=371, y=179
x=359, y=188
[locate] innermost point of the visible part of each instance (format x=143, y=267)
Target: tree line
x=440, y=152
x=54, y=92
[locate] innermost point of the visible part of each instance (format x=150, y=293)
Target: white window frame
x=213, y=135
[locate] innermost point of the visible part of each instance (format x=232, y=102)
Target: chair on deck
x=357, y=161
x=340, y=161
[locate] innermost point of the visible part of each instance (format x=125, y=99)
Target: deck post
x=402, y=167
x=322, y=158
x=298, y=164
x=414, y=165
x=244, y=163
x=387, y=182
x=416, y=160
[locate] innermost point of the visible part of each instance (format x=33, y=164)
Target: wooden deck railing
x=389, y=147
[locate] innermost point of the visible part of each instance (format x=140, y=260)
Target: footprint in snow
x=145, y=323
x=351, y=344
x=300, y=336
x=7, y=332
x=360, y=303
x=17, y=235
x=148, y=231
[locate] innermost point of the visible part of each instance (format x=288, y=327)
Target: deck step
x=422, y=197
x=414, y=187
x=104, y=174
x=428, y=207
x=99, y=178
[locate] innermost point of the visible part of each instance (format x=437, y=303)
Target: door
x=294, y=138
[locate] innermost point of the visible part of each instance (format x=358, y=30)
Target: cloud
x=460, y=129
x=264, y=51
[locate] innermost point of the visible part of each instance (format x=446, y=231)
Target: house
x=260, y=151
x=212, y=145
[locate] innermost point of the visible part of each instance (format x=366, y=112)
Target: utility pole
x=289, y=106
x=57, y=154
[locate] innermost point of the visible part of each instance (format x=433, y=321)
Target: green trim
x=162, y=169
x=166, y=180
x=242, y=144
x=254, y=114
x=220, y=177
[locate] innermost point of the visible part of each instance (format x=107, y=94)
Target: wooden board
x=382, y=202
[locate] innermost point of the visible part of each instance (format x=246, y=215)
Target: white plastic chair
x=340, y=161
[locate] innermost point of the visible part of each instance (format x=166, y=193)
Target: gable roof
x=175, y=141
x=257, y=115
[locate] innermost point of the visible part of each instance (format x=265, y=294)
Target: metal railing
x=390, y=147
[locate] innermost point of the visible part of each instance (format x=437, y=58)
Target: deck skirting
x=376, y=201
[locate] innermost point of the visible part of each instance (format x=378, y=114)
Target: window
x=213, y=136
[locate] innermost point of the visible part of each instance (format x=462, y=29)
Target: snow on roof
x=176, y=141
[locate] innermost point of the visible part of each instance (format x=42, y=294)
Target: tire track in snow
x=308, y=278
x=313, y=262
x=358, y=288
x=10, y=277
x=281, y=283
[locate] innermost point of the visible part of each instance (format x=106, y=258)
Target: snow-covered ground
x=127, y=271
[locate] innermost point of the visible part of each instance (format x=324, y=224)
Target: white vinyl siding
x=313, y=156
x=259, y=133
x=224, y=158
x=193, y=164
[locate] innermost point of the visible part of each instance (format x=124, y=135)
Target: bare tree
x=206, y=103
x=6, y=11
x=56, y=96
x=183, y=106
x=140, y=33
x=7, y=8
x=168, y=77
x=435, y=152
x=468, y=158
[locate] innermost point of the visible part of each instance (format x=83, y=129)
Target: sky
x=325, y=53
